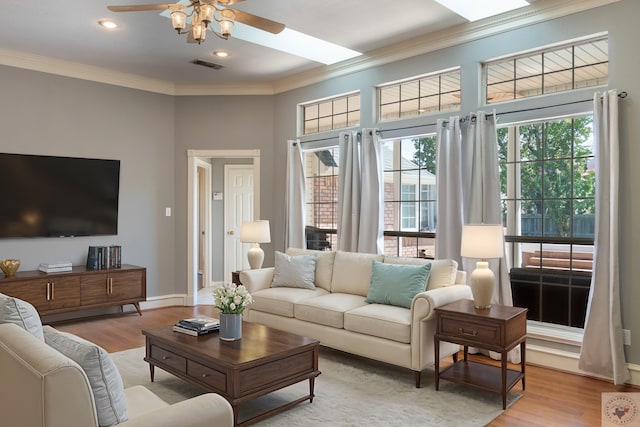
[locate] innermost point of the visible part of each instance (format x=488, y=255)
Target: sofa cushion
x=324, y=265
x=281, y=301
x=294, y=271
x=352, y=272
x=328, y=309
x=443, y=271
x=22, y=313
x=397, y=284
x=384, y=321
x=104, y=378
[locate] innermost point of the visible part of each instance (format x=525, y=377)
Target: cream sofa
x=335, y=311
x=42, y=387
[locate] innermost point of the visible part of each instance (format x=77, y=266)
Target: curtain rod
x=621, y=95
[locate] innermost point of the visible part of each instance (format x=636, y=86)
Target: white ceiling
x=145, y=45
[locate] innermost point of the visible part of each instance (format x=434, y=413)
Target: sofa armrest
x=425, y=303
x=257, y=279
x=205, y=410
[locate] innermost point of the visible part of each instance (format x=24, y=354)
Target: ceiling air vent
x=207, y=64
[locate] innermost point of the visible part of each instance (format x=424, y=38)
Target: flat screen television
x=48, y=196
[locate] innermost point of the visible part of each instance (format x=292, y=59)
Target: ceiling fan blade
x=263, y=24
x=221, y=2
x=145, y=7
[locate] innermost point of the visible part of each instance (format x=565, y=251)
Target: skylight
x=296, y=43
x=474, y=10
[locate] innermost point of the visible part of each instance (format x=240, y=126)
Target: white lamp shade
x=255, y=232
x=482, y=241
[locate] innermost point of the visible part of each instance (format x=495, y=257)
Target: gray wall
x=221, y=123
x=52, y=115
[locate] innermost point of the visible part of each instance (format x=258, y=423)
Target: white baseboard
x=164, y=301
x=568, y=362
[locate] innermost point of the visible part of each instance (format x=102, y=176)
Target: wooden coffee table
x=263, y=361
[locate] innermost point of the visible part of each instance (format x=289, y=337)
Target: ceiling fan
x=203, y=14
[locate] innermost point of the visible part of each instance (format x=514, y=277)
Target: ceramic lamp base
x=255, y=255
x=482, y=283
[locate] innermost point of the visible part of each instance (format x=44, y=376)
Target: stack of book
x=197, y=326
x=57, y=267
x=102, y=257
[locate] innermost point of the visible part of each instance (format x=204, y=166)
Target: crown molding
x=254, y=88
x=82, y=71
x=539, y=11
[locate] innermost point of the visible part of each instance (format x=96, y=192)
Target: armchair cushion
x=104, y=378
x=23, y=314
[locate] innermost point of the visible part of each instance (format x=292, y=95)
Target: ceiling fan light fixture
x=178, y=20
x=225, y=28
x=199, y=32
x=206, y=13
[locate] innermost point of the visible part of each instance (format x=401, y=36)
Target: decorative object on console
x=255, y=232
x=10, y=267
x=231, y=300
x=482, y=241
x=104, y=257
x=57, y=267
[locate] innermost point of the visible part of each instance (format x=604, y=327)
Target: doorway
x=193, y=208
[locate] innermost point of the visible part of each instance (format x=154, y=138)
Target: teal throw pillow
x=397, y=284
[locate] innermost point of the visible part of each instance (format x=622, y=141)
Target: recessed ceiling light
x=106, y=23
x=474, y=10
x=221, y=53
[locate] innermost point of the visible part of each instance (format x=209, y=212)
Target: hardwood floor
x=551, y=398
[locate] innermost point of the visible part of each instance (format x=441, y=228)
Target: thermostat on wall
x=217, y=196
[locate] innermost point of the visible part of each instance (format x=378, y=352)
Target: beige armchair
x=40, y=387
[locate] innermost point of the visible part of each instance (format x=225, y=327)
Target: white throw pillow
x=23, y=314
x=104, y=378
x=294, y=271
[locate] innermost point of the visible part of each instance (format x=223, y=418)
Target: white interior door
x=238, y=207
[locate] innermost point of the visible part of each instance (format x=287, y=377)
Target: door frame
x=203, y=206
x=192, y=206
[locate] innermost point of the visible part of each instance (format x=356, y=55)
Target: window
x=409, y=196
x=557, y=69
x=548, y=198
x=439, y=92
x=334, y=113
x=321, y=172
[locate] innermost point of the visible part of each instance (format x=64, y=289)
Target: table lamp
x=255, y=232
x=482, y=241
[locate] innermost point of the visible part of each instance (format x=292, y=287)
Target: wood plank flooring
x=552, y=398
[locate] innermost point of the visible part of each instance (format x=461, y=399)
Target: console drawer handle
x=472, y=333
x=205, y=375
x=165, y=358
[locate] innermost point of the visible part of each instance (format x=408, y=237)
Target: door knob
x=231, y=232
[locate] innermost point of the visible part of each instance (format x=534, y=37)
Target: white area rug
x=351, y=391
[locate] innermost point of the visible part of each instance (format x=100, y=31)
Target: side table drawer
x=169, y=359
x=207, y=375
x=472, y=331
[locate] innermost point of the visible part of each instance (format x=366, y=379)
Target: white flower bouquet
x=231, y=299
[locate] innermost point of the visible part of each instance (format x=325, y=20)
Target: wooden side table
x=235, y=278
x=499, y=328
